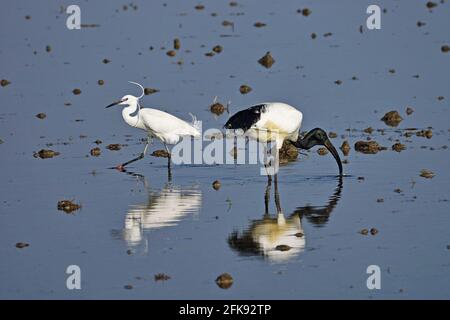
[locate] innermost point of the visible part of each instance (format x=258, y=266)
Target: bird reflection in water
x=163, y=208
x=280, y=238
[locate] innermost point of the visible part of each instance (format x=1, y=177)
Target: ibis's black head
x=318, y=137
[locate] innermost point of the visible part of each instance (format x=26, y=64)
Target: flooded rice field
x=140, y=234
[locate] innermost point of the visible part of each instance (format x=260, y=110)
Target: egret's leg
x=169, y=169
x=121, y=167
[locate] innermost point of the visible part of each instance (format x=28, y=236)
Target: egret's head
x=128, y=99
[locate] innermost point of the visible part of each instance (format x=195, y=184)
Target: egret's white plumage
x=158, y=124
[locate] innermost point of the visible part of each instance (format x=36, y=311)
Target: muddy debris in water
x=283, y=247
x=322, y=151
x=445, y=48
x=328, y=34
x=425, y=133
x=100, y=82
x=431, y=4
x=22, y=245
x=128, y=287
x=398, y=190
x=368, y=147
x=424, y=173
x=199, y=7
x=380, y=200
x=95, y=152
x=244, y=89
x=45, y=154
x=4, y=82
x=299, y=234
x=305, y=12
x=41, y=115
x=48, y=48
x=171, y=53
x=267, y=60
x=288, y=152
x=392, y=118
x=332, y=135
x=148, y=91
x=227, y=23
x=216, y=185
x=176, y=44
x=313, y=35
x=373, y=231
x=68, y=206
x=98, y=141
x=217, y=49
x=224, y=281
x=364, y=232
x=160, y=154
x=161, y=277
x=114, y=146
x=399, y=147
x=409, y=111
x=368, y=130
x=259, y=24
x=76, y=91
x=345, y=148
x=106, y=61
x=217, y=108
x=392, y=71
x=233, y=4
x=210, y=54
x=338, y=82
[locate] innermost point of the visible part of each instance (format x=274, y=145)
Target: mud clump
x=345, y=148
x=431, y=4
x=106, y=61
x=160, y=154
x=338, y=82
x=409, y=111
x=22, y=245
x=267, y=60
x=288, y=152
x=259, y=24
x=368, y=147
x=4, y=82
x=244, y=89
x=176, y=44
x=425, y=133
x=114, y=146
x=332, y=135
x=148, y=91
x=68, y=206
x=199, y=7
x=368, y=130
x=217, y=49
x=46, y=154
x=95, y=152
x=41, y=115
x=161, y=277
x=445, y=48
x=305, y=12
x=427, y=174
x=217, y=108
x=392, y=118
x=76, y=91
x=373, y=231
x=224, y=281
x=101, y=82
x=399, y=147
x=283, y=247
x=216, y=185
x=322, y=151
x=364, y=232
x=171, y=53
x=128, y=287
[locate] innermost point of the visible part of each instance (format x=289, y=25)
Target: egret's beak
x=114, y=103
x=335, y=154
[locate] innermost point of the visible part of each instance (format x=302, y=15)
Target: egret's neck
x=131, y=114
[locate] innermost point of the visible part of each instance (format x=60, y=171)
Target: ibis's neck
x=304, y=143
x=131, y=114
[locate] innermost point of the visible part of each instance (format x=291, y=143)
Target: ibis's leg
x=267, y=165
x=267, y=198
x=121, y=167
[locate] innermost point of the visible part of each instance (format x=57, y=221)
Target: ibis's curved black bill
x=335, y=154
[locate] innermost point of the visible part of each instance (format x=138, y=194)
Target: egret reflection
x=163, y=208
x=279, y=238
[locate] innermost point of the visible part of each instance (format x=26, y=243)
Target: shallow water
x=133, y=226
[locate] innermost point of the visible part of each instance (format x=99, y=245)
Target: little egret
x=158, y=124
x=275, y=122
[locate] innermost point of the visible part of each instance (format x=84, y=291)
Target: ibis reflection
x=163, y=208
x=279, y=238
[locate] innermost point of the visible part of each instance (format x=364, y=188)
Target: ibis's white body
x=280, y=121
x=159, y=124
